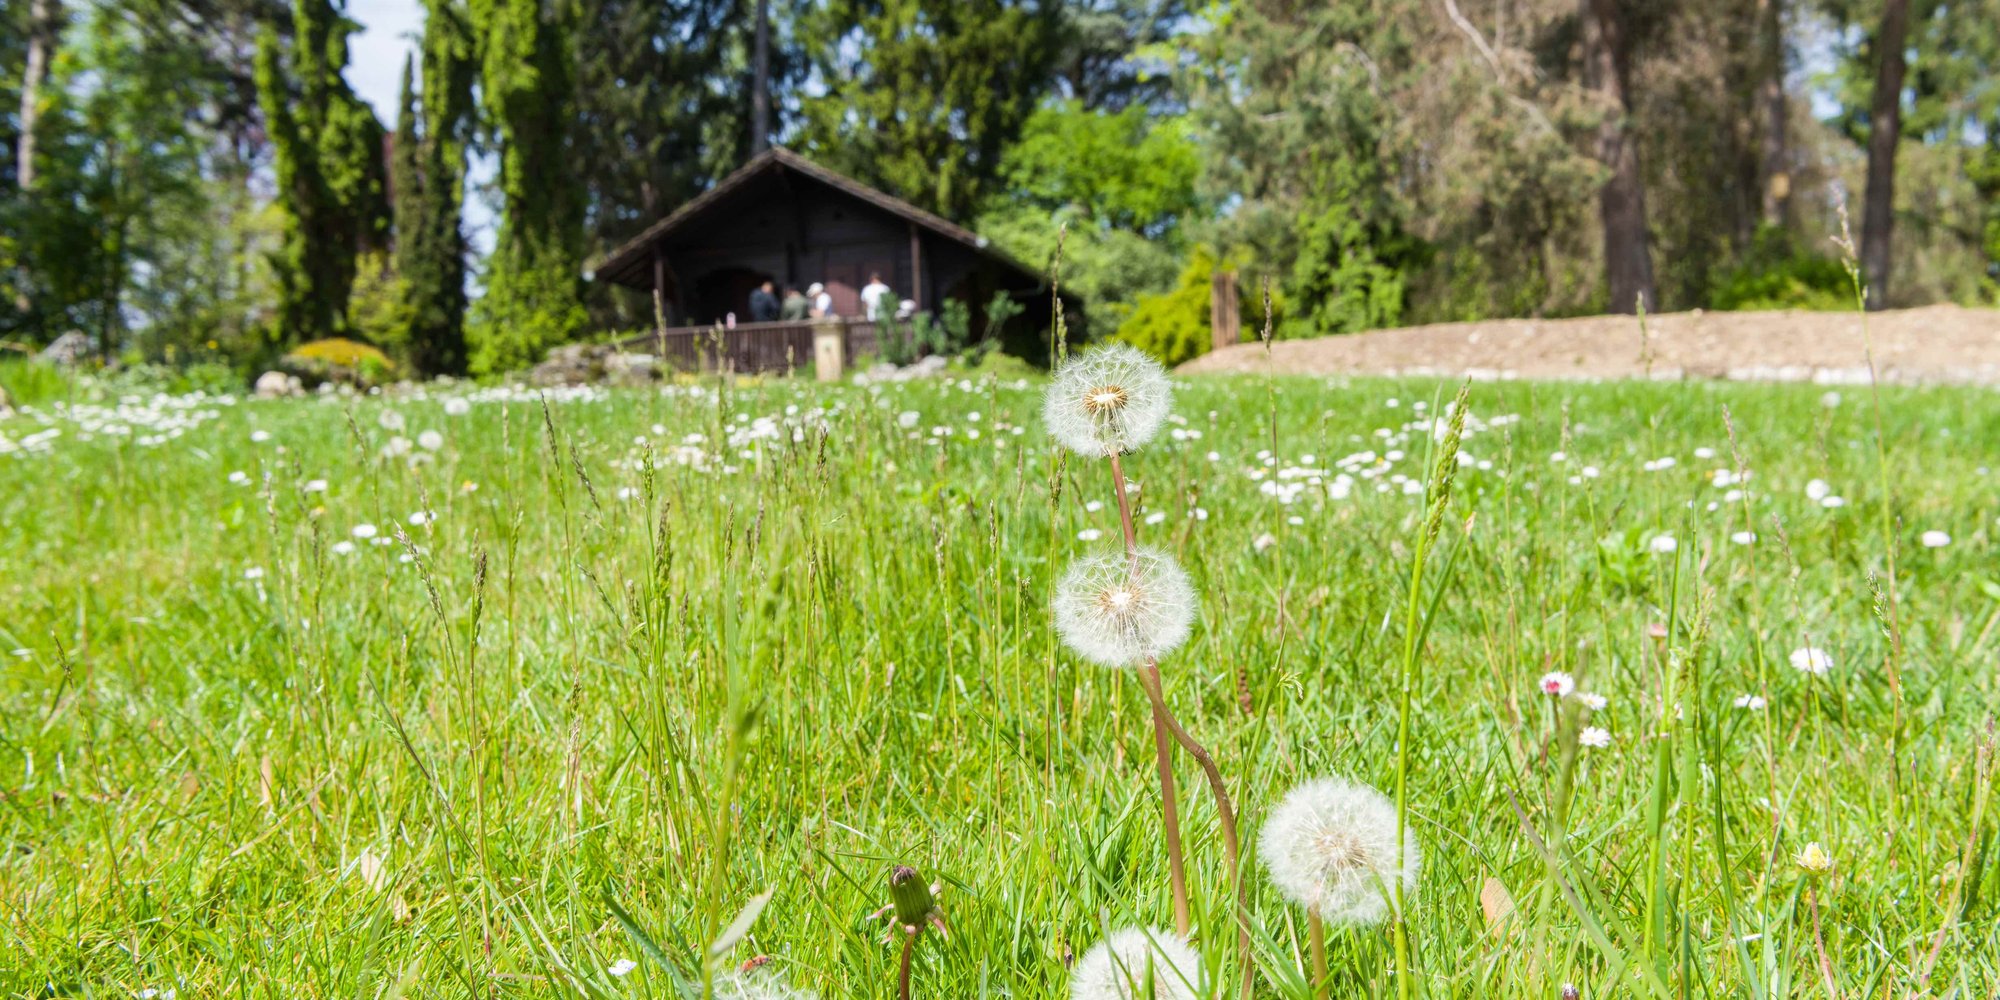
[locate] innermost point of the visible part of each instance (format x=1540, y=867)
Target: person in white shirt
x=822, y=301
x=872, y=295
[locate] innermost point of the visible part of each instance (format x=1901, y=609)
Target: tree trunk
x=1885, y=128
x=1628, y=262
x=760, y=81
x=1774, y=178
x=44, y=21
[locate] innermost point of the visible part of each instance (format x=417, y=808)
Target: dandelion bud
x=1107, y=401
x=1137, y=964
x=1330, y=847
x=1121, y=611
x=1814, y=859
x=911, y=896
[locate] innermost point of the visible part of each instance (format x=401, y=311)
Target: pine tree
x=533, y=294
x=923, y=96
x=328, y=150
x=429, y=184
x=1296, y=103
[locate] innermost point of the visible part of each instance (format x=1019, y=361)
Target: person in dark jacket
x=763, y=304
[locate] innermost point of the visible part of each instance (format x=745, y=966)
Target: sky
x=389, y=33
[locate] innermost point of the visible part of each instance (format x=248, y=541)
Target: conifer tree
x=429, y=194
x=328, y=151
x=533, y=292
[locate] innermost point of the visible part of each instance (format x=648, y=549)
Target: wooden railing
x=756, y=348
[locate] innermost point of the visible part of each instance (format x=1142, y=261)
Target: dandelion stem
x=909, y=949
x=1819, y=943
x=1316, y=929
x=1124, y=507
x=1170, y=818
x=1225, y=810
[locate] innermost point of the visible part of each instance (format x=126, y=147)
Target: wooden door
x=843, y=282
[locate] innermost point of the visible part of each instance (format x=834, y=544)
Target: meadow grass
x=660, y=652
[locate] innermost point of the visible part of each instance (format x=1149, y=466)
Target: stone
x=572, y=364
x=630, y=368
x=69, y=349
x=277, y=385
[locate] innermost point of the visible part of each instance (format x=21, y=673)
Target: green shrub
x=1174, y=326
x=1776, y=275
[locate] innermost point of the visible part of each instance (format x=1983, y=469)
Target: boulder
x=69, y=349
x=276, y=384
x=572, y=364
x=623, y=368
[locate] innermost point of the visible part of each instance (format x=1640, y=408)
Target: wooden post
x=1224, y=323
x=916, y=268
x=660, y=298
x=829, y=350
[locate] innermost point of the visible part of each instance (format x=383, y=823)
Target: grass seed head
x=1120, y=611
x=1107, y=401
x=1122, y=965
x=1330, y=847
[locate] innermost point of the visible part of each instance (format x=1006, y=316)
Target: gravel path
x=1926, y=346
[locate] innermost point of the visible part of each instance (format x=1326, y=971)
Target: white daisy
x=1594, y=736
x=1557, y=683
x=1107, y=401
x=457, y=406
x=363, y=530
x=1935, y=539
x=1591, y=700
x=1812, y=660
x=430, y=440
x=1663, y=544
x=1330, y=847
x=1752, y=702
x=622, y=966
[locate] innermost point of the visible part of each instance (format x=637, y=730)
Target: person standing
x=763, y=303
x=872, y=295
x=796, y=306
x=822, y=301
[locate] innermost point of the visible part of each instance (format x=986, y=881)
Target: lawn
x=474, y=692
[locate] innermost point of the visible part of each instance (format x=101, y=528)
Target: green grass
x=355, y=775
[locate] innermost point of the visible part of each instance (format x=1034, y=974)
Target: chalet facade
x=784, y=219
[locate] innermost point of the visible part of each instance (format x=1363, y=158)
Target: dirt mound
x=1931, y=345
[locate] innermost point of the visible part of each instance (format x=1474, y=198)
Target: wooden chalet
x=785, y=219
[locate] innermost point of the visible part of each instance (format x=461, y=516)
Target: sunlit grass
x=238, y=759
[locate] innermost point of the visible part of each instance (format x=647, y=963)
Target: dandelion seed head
x=1331, y=847
x=759, y=979
x=1120, y=612
x=1107, y=401
x=1118, y=968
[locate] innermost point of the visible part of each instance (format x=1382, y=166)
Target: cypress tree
x=533, y=296
x=328, y=151
x=429, y=185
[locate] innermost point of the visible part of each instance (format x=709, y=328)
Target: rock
x=928, y=366
x=69, y=349
x=572, y=364
x=276, y=384
x=622, y=368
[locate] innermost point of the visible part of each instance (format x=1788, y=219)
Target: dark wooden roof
x=629, y=263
